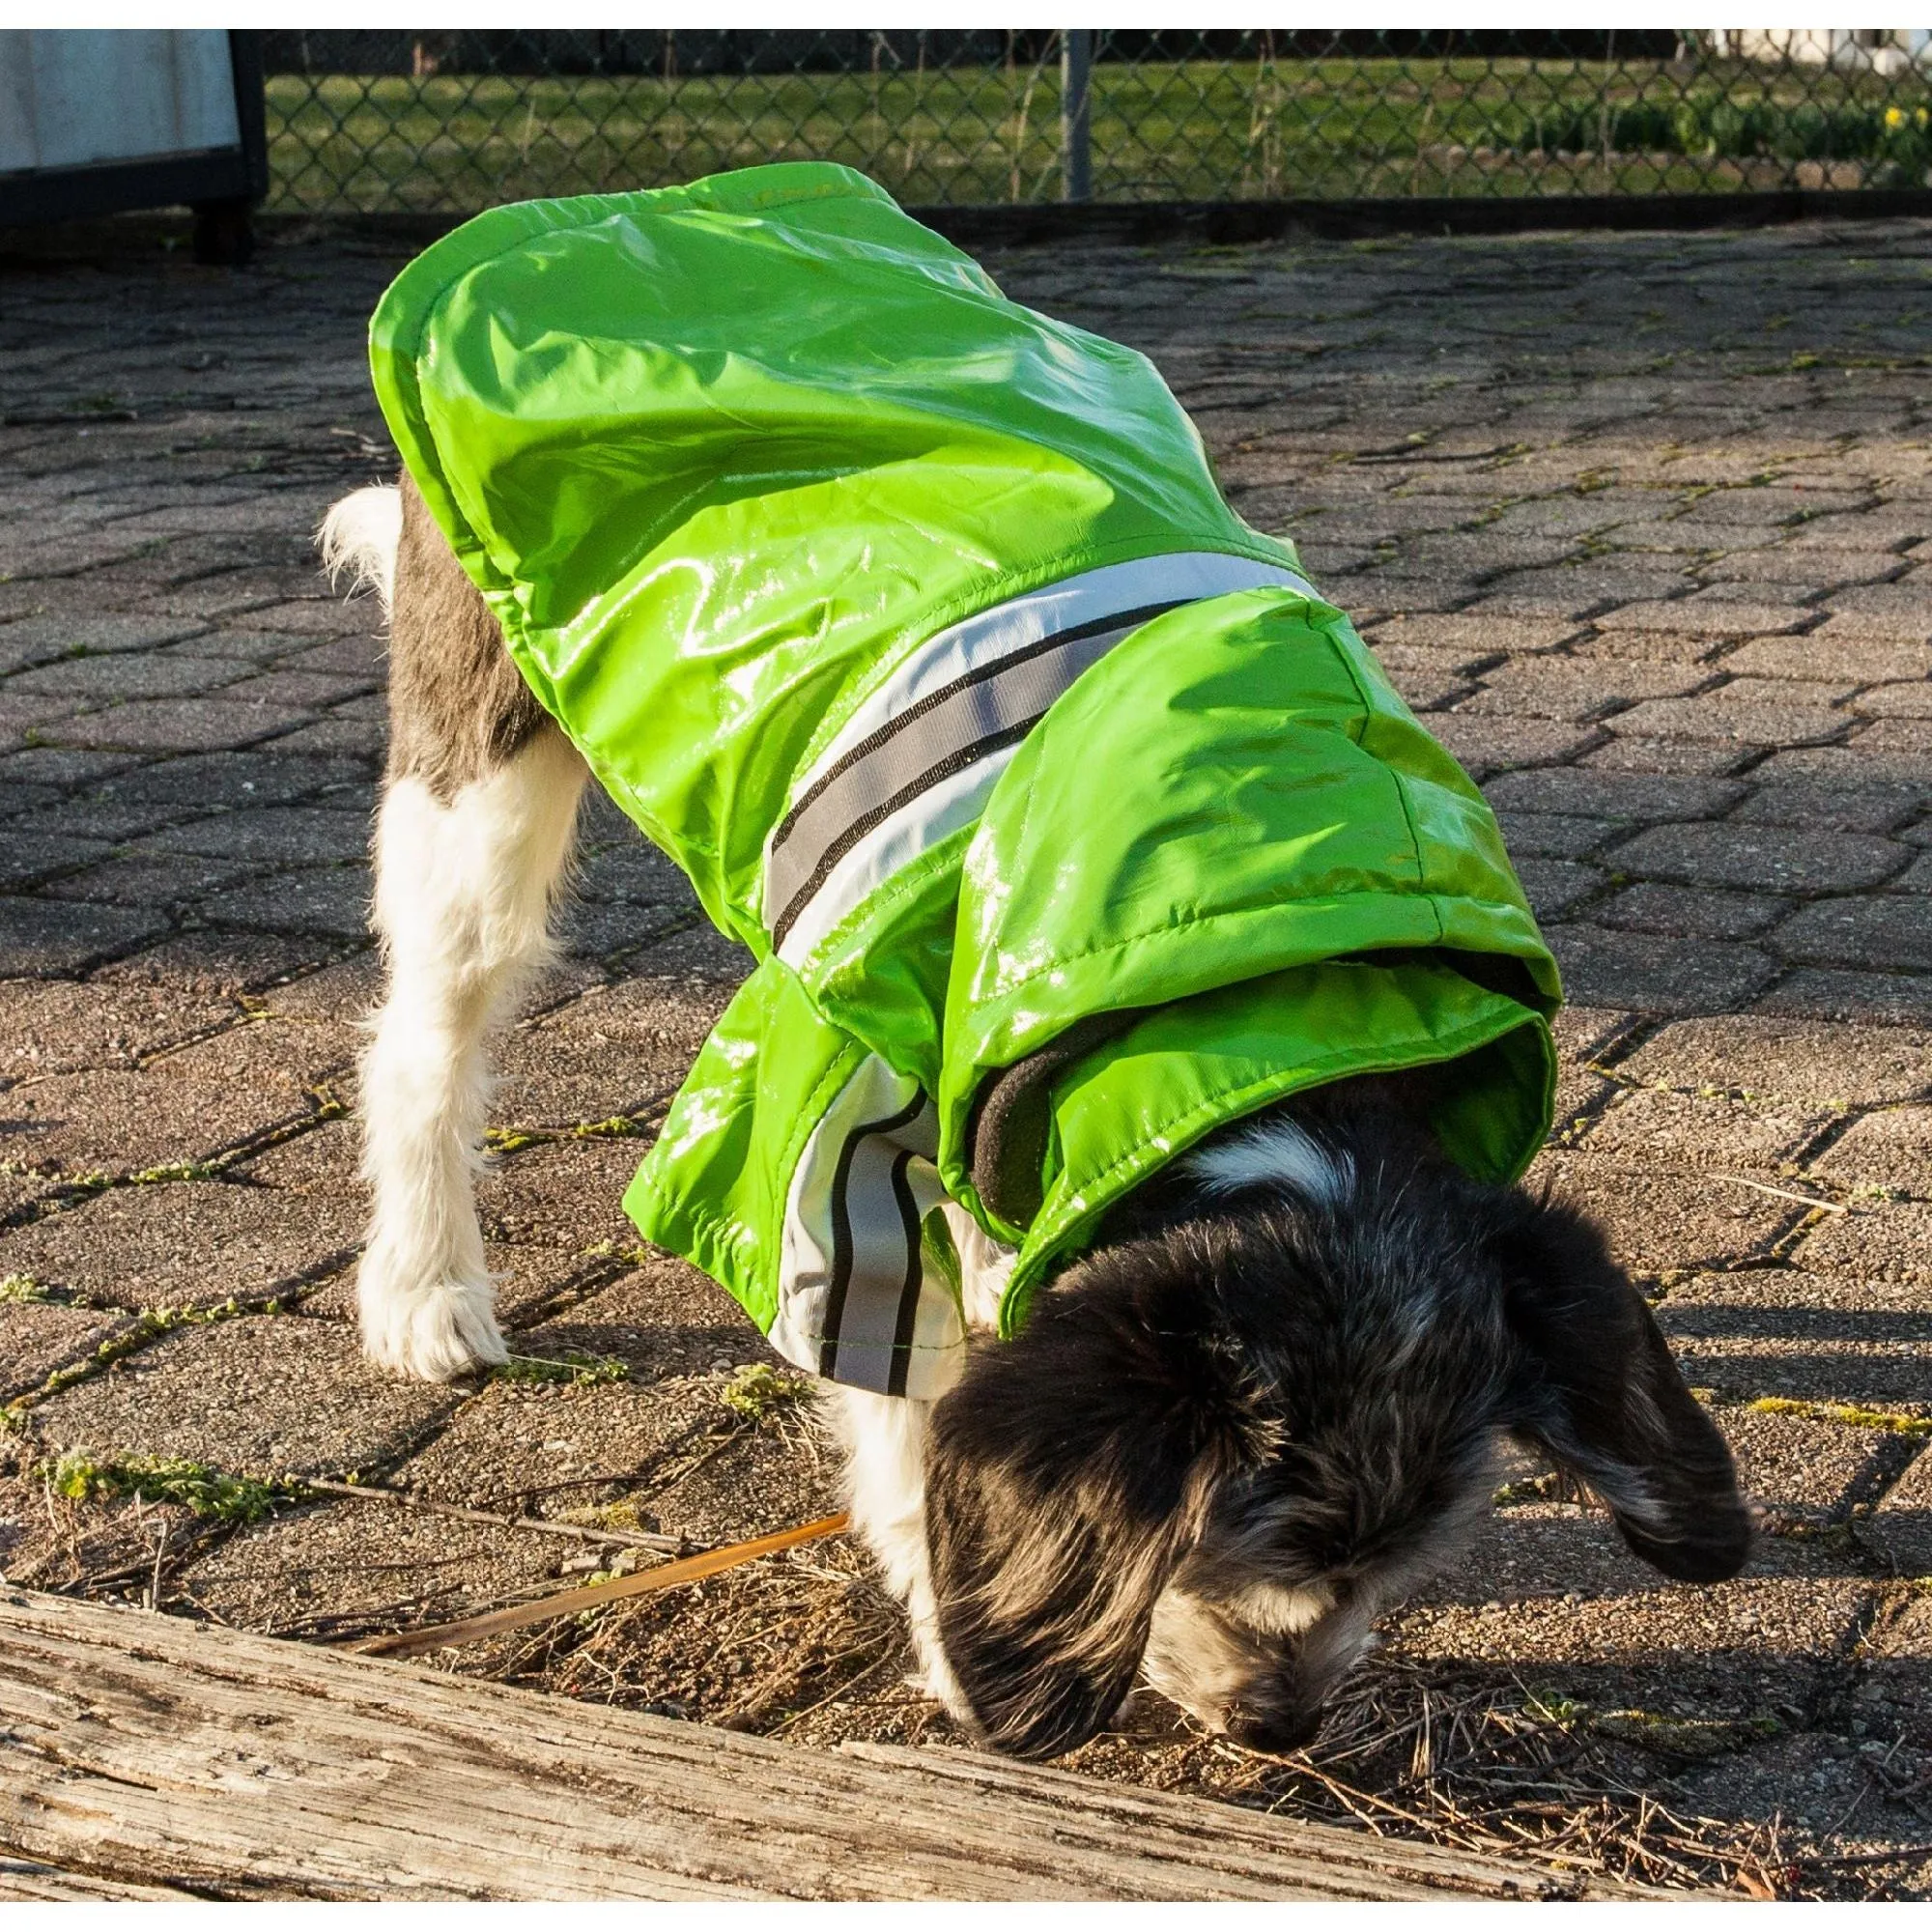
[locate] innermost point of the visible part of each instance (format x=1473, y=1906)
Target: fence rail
x=456, y=121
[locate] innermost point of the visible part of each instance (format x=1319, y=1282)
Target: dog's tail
x=359, y=538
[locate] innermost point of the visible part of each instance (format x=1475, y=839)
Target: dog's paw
x=433, y=1332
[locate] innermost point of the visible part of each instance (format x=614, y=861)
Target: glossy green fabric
x=719, y=456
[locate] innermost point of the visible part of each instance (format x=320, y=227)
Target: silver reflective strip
x=958, y=727
x=885, y=739
x=856, y=1304
x=890, y=845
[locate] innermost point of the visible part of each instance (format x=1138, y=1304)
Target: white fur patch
x=462, y=894
x=359, y=537
x=1275, y=1153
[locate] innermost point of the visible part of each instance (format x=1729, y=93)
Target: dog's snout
x=1273, y=1730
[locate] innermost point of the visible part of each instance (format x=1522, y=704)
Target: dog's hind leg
x=474, y=831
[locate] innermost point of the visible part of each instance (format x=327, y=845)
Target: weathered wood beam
x=140, y=1753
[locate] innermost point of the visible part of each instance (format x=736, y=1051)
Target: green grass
x=208, y=1493
x=1192, y=131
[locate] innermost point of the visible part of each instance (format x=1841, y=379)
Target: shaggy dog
x=1261, y=1405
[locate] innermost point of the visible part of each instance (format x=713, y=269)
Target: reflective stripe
x=984, y=712
x=920, y=753
x=856, y=1304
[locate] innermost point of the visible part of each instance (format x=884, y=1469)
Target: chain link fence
x=451, y=122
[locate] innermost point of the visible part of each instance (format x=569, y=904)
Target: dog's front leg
x=463, y=888
x=885, y=1485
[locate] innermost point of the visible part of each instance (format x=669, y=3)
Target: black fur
x=1231, y=1400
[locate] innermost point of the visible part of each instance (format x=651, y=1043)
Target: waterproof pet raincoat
x=1065, y=819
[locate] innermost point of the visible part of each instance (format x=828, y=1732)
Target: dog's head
x=1262, y=1408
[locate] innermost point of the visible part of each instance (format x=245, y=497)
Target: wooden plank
x=26, y=1879
x=170, y=1753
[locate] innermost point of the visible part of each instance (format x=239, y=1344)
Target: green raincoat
x=1065, y=819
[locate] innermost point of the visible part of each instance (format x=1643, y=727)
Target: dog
x=1262, y=1402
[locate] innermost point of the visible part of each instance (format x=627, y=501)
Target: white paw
x=433, y=1331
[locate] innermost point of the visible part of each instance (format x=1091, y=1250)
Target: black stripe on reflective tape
x=915, y=1277
x=843, y=1248
x=842, y=804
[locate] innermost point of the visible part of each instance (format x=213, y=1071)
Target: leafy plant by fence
x=453, y=121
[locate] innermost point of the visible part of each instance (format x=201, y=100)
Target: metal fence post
x=1076, y=156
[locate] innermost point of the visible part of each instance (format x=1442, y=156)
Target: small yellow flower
x=1895, y=117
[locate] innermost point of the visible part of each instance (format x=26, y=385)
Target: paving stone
x=311, y=690
x=182, y=1244
x=1569, y=592
x=220, y=962
x=1821, y=808
x=109, y=680
x=1692, y=1130
x=1565, y=688
x=1902, y=610
x=1853, y=766
x=1555, y=887
x=1730, y=721
x=55, y=1026
x=1830, y=1067
x=264, y=1395
x=1895, y=701
x=329, y=901
x=175, y=880
x=528, y=1279
x=184, y=1106
x=1770, y=1300
x=1885, y=530
x=1692, y=654
x=287, y=834
x=1888, y=1148
x=1888, y=1240
x=1808, y=695
x=562, y=1194
x=1853, y=657
x=28, y=858
x=41, y=937
x=633, y=873
x=1485, y=745
x=1686, y=913
x=1659, y=1221
x=251, y=647
x=671, y=1449
x=1673, y=758
x=354, y=1566
x=1812, y=570
x=1804, y=1472
x=1886, y=933
x=33, y=640
x=206, y=781
x=1467, y=640
x=1698, y=617
x=601, y=929
x=1651, y=974
x=662, y=1319
x=1745, y=857
x=37, y=1338
x=174, y=724
x=1900, y=1529
x=338, y=737
x=1542, y=835
x=616, y=1051
x=1879, y=998
x=1611, y=795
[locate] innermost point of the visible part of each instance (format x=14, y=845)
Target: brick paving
x=1643, y=524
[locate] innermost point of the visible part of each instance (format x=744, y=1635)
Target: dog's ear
x=1601, y=1394
x=1067, y=1473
